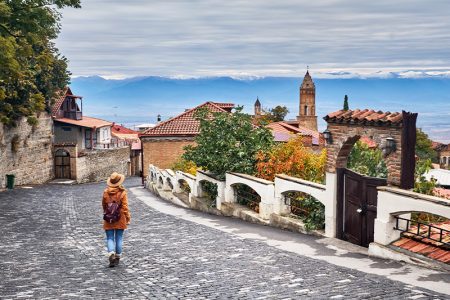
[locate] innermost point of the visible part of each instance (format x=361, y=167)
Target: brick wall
x=26, y=151
x=99, y=164
x=344, y=136
x=163, y=152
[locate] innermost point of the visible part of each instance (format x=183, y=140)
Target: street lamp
x=327, y=136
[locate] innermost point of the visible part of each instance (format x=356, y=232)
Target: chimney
x=158, y=118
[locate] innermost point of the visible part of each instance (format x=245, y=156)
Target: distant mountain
x=141, y=99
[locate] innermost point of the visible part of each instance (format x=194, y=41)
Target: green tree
x=424, y=147
x=346, y=103
x=32, y=70
x=278, y=113
x=367, y=161
x=228, y=142
x=422, y=185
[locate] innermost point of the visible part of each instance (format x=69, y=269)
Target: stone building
x=163, y=144
x=282, y=132
x=307, y=109
x=257, y=106
x=83, y=148
x=443, y=152
x=306, y=122
x=121, y=137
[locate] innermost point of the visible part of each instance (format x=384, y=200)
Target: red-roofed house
x=122, y=136
x=282, y=132
x=163, y=144
x=81, y=143
x=70, y=126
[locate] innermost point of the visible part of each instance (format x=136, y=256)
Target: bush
x=211, y=191
x=186, y=166
x=293, y=159
x=366, y=161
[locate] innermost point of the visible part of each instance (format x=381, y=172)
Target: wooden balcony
x=74, y=115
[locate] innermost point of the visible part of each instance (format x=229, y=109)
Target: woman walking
x=116, y=216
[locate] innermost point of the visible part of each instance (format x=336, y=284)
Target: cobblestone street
x=52, y=246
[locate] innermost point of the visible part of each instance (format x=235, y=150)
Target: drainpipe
x=142, y=160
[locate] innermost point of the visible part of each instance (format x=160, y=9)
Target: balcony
x=74, y=115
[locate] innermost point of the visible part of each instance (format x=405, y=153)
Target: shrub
x=186, y=166
x=293, y=159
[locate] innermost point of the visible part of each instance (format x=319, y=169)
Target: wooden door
x=358, y=208
x=62, y=164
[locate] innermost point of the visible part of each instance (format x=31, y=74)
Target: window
x=306, y=110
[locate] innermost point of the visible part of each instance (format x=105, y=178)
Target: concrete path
x=52, y=247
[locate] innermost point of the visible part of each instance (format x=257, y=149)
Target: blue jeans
x=114, y=240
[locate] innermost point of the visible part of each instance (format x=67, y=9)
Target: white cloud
x=257, y=38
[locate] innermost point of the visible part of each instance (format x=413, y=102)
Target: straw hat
x=115, y=179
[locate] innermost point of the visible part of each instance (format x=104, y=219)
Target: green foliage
x=308, y=209
x=346, y=103
x=422, y=185
x=32, y=70
x=366, y=161
x=185, y=166
x=228, y=142
x=278, y=113
x=211, y=191
x=424, y=148
x=316, y=217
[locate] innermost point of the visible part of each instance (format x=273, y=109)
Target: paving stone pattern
x=52, y=247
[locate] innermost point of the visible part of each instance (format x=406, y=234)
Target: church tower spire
x=307, y=110
x=257, y=107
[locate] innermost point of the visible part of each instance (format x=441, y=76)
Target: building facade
x=83, y=147
x=307, y=110
x=163, y=144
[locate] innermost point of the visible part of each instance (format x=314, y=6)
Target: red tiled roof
x=224, y=105
x=184, y=124
x=436, y=145
x=116, y=128
x=366, y=116
x=282, y=131
x=59, y=99
x=441, y=192
x=425, y=246
x=85, y=122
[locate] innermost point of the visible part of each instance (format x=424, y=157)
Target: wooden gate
x=357, y=206
x=62, y=164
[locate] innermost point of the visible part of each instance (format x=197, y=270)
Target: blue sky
x=196, y=38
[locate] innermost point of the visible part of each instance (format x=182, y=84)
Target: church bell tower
x=307, y=113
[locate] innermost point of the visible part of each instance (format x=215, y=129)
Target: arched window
x=306, y=110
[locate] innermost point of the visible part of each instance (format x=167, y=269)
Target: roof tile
x=185, y=124
x=364, y=116
x=85, y=122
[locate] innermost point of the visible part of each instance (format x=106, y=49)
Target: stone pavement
x=52, y=247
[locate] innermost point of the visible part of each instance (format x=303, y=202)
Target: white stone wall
x=30, y=159
x=395, y=202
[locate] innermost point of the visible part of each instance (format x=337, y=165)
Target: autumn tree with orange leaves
x=293, y=159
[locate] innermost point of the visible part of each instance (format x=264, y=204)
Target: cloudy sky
x=256, y=37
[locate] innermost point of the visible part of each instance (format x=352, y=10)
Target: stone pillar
x=331, y=203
